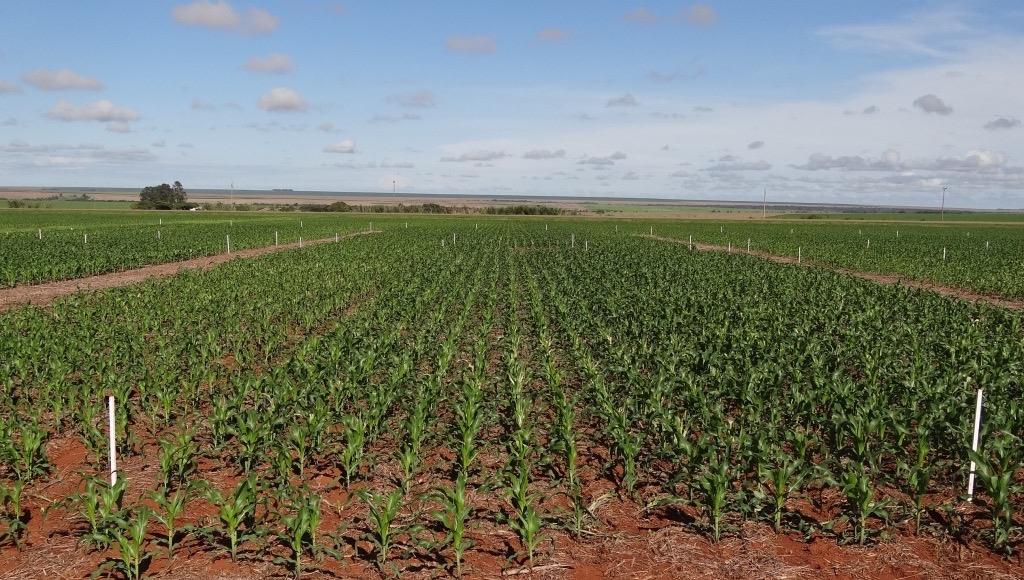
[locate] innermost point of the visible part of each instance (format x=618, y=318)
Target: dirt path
x=42, y=294
x=951, y=291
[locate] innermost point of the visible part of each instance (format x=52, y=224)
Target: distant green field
x=922, y=216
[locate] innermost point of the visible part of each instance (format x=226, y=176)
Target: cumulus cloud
x=1002, y=123
x=7, y=88
x=701, y=15
x=755, y=144
x=471, y=44
x=975, y=161
x=201, y=105
x=282, y=99
x=103, y=111
x=625, y=100
x=119, y=127
x=415, y=100
x=480, y=155
x=733, y=163
x=60, y=80
x=641, y=16
x=395, y=118
x=544, y=154
x=276, y=63
x=932, y=104
x=553, y=35
x=221, y=15
x=347, y=146
x=598, y=161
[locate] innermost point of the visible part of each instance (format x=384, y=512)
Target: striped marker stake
x=974, y=444
x=113, y=442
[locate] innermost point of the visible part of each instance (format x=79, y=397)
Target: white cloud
x=221, y=15
x=395, y=118
x=282, y=99
x=932, y=104
x=119, y=127
x=7, y=88
x=733, y=163
x=701, y=15
x=641, y=16
x=103, y=111
x=417, y=99
x=938, y=33
x=544, y=154
x=481, y=155
x=201, y=105
x=1003, y=123
x=553, y=35
x=347, y=146
x=276, y=63
x=625, y=100
x=602, y=161
x=60, y=80
x=471, y=44
x=207, y=14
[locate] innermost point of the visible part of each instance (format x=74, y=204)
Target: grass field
x=472, y=396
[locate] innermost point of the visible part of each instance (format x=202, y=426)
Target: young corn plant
x=860, y=500
x=917, y=477
x=170, y=507
x=455, y=512
x=715, y=482
x=99, y=505
x=524, y=519
x=235, y=511
x=383, y=511
x=352, y=453
x=132, y=553
x=785, y=475
x=12, y=516
x=177, y=459
x=300, y=529
x=995, y=469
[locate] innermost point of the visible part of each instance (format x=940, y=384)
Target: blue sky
x=854, y=102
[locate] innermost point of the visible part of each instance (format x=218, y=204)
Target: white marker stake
x=799, y=254
x=453, y=238
x=897, y=234
x=86, y=238
x=158, y=234
x=974, y=444
x=227, y=240
x=986, y=245
x=689, y=246
x=161, y=221
x=748, y=245
x=275, y=237
x=336, y=238
x=300, y=241
x=721, y=229
x=546, y=227
x=300, y=224
x=730, y=248
x=406, y=225
x=869, y=243
x=113, y=442
x=616, y=228
x=943, y=254
x=586, y=245
x=477, y=228
x=572, y=244
x=40, y=233
x=652, y=230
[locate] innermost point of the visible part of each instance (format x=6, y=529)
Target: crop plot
x=559, y=397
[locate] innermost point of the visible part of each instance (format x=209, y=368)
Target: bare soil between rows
x=43, y=294
x=951, y=291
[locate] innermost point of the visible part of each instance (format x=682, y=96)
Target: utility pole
x=764, y=204
x=394, y=186
x=942, y=208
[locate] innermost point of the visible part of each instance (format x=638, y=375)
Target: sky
x=864, y=102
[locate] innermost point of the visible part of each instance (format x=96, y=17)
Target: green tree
x=163, y=196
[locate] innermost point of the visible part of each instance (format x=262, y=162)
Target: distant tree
x=163, y=196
